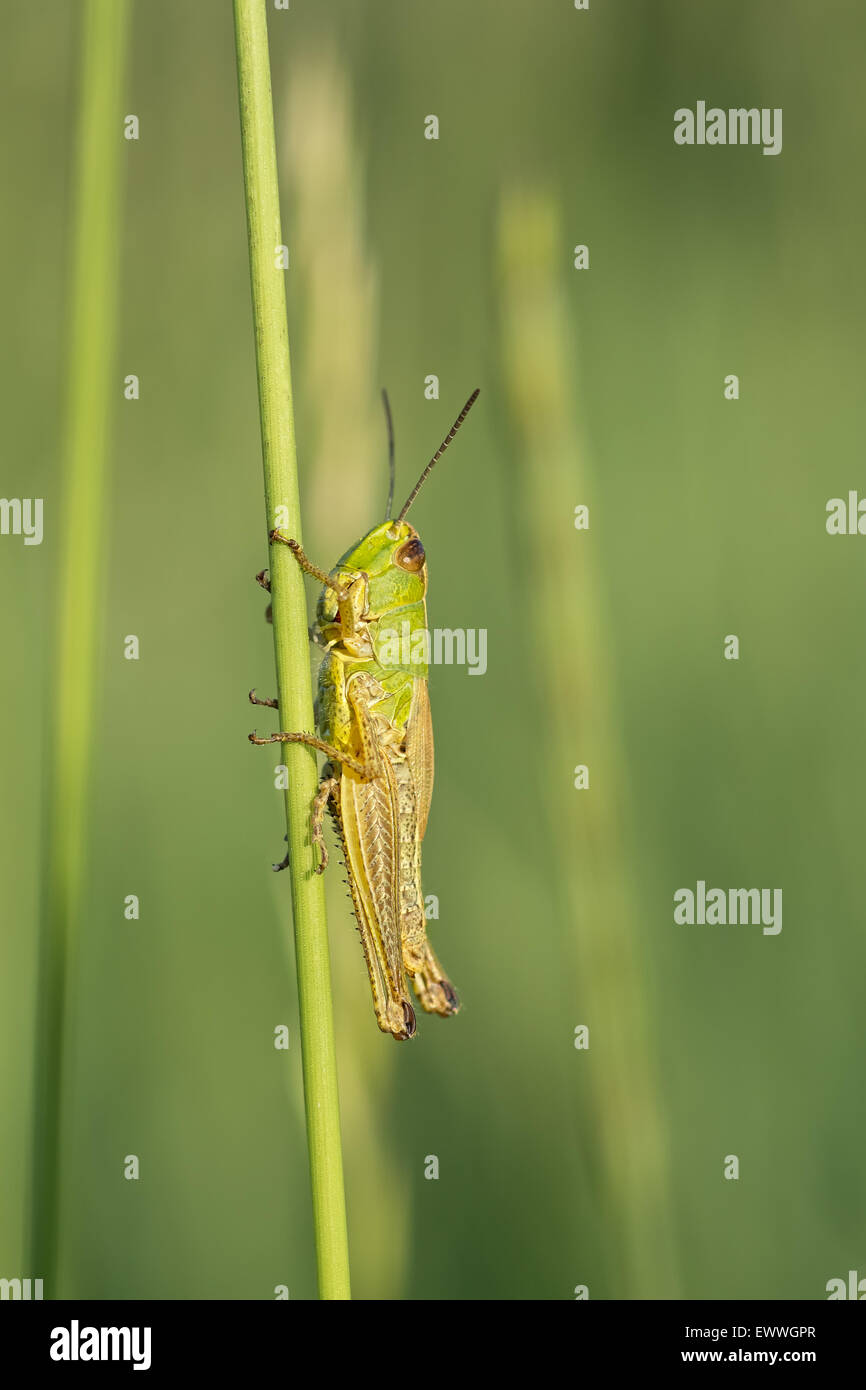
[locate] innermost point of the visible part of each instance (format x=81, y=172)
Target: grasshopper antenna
x=438, y=454
x=392, y=471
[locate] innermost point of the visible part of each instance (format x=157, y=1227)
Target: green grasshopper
x=373, y=722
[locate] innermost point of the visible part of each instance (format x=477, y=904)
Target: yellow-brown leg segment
x=312, y=742
x=327, y=788
x=269, y=704
x=351, y=598
x=432, y=986
x=306, y=564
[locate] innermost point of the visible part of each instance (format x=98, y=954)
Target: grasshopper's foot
x=435, y=991
x=269, y=704
x=451, y=996
x=397, y=1017
x=276, y=537
x=401, y=1022
x=284, y=862
x=264, y=579
x=307, y=565
x=437, y=996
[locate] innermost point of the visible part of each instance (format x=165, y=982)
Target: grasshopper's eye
x=410, y=556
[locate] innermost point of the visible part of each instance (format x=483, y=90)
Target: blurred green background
x=412, y=257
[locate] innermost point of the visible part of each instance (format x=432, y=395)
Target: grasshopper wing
x=370, y=836
x=419, y=751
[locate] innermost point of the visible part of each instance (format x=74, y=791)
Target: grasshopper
x=373, y=724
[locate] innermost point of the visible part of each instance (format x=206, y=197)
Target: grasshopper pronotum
x=373, y=723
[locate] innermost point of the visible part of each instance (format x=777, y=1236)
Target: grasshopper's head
x=392, y=557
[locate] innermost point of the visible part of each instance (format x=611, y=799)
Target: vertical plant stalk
x=291, y=643
x=80, y=528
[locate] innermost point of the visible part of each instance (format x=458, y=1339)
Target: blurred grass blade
x=586, y=830
x=291, y=644
x=80, y=530
x=345, y=485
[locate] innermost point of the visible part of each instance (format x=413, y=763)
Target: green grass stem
x=291, y=644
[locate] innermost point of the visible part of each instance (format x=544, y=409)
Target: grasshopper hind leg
x=394, y=1013
x=435, y=991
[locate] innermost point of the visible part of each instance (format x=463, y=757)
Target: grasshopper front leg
x=306, y=564
x=351, y=597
